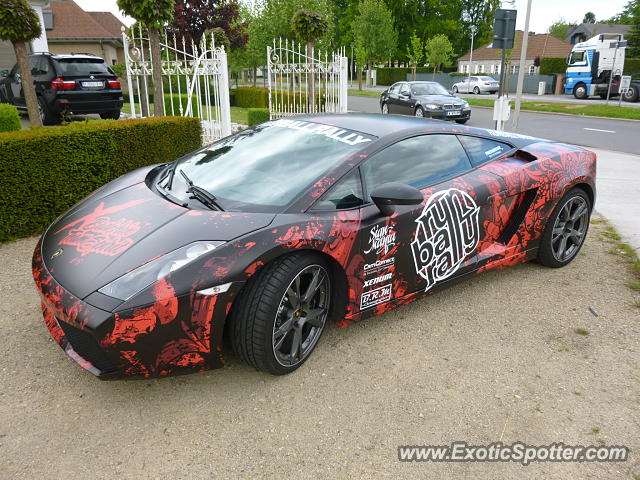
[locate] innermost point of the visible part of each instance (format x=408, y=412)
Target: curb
x=570, y=115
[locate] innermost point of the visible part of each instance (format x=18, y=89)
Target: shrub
x=631, y=66
x=9, y=118
x=44, y=171
x=257, y=115
x=551, y=65
x=251, y=97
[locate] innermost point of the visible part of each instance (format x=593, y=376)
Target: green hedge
x=391, y=75
x=9, y=118
x=631, y=66
x=44, y=171
x=257, y=115
x=251, y=97
x=551, y=65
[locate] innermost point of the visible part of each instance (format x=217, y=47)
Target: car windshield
x=83, y=66
x=428, y=89
x=265, y=168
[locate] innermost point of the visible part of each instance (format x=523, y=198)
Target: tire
x=550, y=252
x=385, y=109
x=112, y=115
x=266, y=317
x=454, y=89
x=476, y=90
x=580, y=91
x=419, y=111
x=632, y=94
x=47, y=117
x=462, y=121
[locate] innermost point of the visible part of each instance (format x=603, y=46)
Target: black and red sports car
x=265, y=236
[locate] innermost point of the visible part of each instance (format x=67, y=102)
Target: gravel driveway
x=495, y=358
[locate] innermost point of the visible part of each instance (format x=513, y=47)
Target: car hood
x=113, y=232
x=439, y=99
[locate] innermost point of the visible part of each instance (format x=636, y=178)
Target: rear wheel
x=111, y=115
x=580, y=91
x=632, y=94
x=47, y=117
x=476, y=90
x=566, y=230
x=279, y=318
x=462, y=120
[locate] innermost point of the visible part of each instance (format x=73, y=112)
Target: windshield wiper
x=202, y=195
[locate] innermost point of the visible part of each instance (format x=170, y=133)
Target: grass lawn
x=364, y=93
x=609, y=111
x=238, y=115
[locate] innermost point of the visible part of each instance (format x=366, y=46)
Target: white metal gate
x=195, y=81
x=301, y=83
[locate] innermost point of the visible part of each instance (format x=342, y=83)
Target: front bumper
x=174, y=335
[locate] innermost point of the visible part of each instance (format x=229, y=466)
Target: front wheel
x=580, y=91
x=566, y=230
x=419, y=112
x=455, y=89
x=385, y=109
x=279, y=318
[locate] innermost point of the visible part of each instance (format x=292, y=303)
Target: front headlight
x=432, y=106
x=138, y=279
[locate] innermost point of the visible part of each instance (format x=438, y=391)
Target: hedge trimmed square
x=45, y=171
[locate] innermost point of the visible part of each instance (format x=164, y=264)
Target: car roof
x=57, y=56
x=382, y=126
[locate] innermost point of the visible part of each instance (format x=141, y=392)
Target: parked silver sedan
x=477, y=85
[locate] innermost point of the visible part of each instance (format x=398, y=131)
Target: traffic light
x=504, y=28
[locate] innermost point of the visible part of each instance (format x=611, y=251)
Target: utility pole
x=523, y=58
x=473, y=30
x=504, y=27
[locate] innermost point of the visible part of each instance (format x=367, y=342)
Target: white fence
x=195, y=81
x=305, y=82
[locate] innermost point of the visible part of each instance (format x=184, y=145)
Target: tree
x=361, y=58
x=415, y=53
x=309, y=26
x=373, y=30
x=194, y=17
x=154, y=14
x=560, y=28
x=479, y=13
x=19, y=24
x=589, y=17
x=439, y=51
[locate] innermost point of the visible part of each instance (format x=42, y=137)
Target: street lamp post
x=473, y=30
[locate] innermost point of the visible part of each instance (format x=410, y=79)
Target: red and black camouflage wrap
x=172, y=327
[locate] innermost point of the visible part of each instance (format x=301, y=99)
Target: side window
x=347, y=193
x=481, y=150
x=405, y=89
x=39, y=65
x=417, y=161
x=395, y=88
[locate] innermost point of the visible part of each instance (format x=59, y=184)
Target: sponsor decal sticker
x=339, y=134
x=381, y=239
x=375, y=296
x=376, y=280
x=447, y=232
x=378, y=265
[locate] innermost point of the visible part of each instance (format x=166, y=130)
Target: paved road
x=618, y=135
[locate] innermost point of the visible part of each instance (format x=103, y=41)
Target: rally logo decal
x=447, y=232
x=381, y=239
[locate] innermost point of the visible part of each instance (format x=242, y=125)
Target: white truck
x=591, y=64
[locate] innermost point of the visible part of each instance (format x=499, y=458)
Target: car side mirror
x=18, y=78
x=4, y=73
x=406, y=94
x=387, y=195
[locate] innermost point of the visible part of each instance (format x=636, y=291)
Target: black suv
x=75, y=83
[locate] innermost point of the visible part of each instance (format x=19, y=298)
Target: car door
x=421, y=247
x=405, y=101
x=14, y=92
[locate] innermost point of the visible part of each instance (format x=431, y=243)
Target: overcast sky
x=543, y=12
